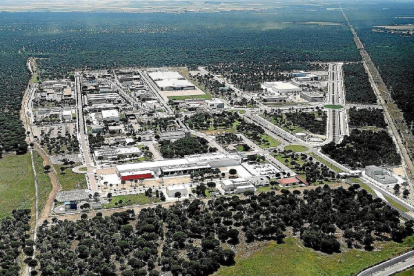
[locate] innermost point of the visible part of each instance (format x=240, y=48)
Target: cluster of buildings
x=303, y=86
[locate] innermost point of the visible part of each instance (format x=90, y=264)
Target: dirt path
x=55, y=185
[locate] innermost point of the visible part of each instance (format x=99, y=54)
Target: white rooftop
x=166, y=75
x=174, y=83
x=110, y=113
x=279, y=85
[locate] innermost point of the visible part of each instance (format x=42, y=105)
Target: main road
x=83, y=136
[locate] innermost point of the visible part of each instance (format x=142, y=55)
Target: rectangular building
x=110, y=115
x=312, y=96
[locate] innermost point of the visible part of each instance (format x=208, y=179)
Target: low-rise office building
x=115, y=153
x=380, y=175
x=110, y=115
x=312, y=96
x=214, y=104
x=174, y=135
x=172, y=190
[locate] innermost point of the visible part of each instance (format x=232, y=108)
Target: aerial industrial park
x=115, y=125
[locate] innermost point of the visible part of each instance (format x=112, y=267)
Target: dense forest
x=13, y=79
x=357, y=86
x=195, y=238
x=392, y=53
x=366, y=117
x=364, y=147
x=14, y=239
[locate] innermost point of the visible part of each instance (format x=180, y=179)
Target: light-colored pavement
x=83, y=137
x=391, y=267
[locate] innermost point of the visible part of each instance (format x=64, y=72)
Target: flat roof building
x=174, y=135
x=381, y=175
x=173, y=85
x=110, y=115
x=114, y=153
x=186, y=165
x=165, y=75
x=214, y=104
x=232, y=184
x=172, y=190
x=312, y=96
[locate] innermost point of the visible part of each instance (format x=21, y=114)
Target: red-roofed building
x=292, y=181
x=286, y=182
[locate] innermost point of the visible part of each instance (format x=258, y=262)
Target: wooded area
x=364, y=147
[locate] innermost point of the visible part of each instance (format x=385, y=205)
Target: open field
x=130, y=200
x=296, y=148
x=17, y=188
x=204, y=96
x=293, y=259
x=70, y=180
x=271, y=142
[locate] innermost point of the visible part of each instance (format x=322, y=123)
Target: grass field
x=17, y=188
x=332, y=106
x=130, y=200
x=296, y=148
x=272, y=142
x=180, y=98
x=70, y=180
x=396, y=204
x=293, y=259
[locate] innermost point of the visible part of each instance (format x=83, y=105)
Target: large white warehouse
x=186, y=165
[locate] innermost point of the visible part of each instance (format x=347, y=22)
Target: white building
x=246, y=188
x=214, y=104
x=114, y=153
x=67, y=115
x=165, y=75
x=173, y=85
x=172, y=190
x=183, y=166
x=279, y=88
x=231, y=184
x=110, y=115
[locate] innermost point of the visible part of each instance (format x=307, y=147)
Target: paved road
x=390, y=267
x=83, y=137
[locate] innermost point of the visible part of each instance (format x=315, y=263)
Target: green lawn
x=293, y=259
x=17, y=188
x=70, y=180
x=179, y=98
x=332, y=106
x=130, y=200
x=263, y=189
x=43, y=181
x=409, y=272
x=272, y=142
x=396, y=204
x=296, y=148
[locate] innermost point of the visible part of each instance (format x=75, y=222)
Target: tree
x=406, y=193
x=177, y=195
x=396, y=189
x=47, y=168
x=211, y=185
x=232, y=172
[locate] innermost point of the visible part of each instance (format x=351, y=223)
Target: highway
x=83, y=136
x=391, y=266
x=337, y=118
